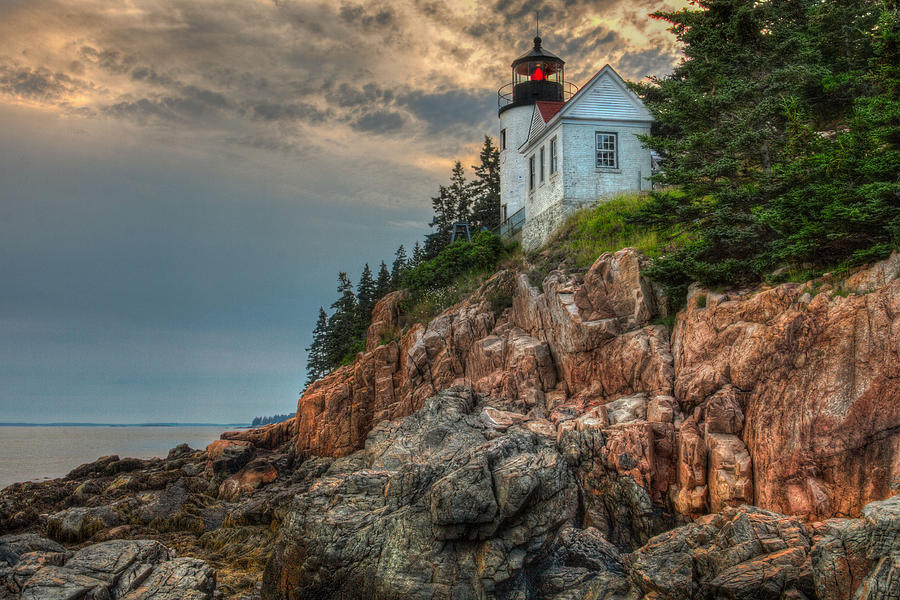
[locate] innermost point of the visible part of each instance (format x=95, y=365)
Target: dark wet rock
x=225, y=457
x=444, y=507
x=80, y=523
x=180, y=451
x=177, y=579
x=12, y=547
x=98, y=467
x=132, y=569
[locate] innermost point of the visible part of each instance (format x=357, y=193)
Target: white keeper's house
x=563, y=148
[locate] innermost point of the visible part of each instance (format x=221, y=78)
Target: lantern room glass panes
x=606, y=151
x=538, y=71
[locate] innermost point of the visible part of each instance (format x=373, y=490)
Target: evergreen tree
x=486, y=188
x=460, y=195
x=779, y=138
x=365, y=296
x=418, y=255
x=399, y=268
x=442, y=222
x=383, y=283
x=317, y=364
x=343, y=324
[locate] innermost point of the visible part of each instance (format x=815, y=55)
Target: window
x=503, y=139
x=542, y=164
x=531, y=173
x=607, y=151
x=503, y=215
x=553, y=156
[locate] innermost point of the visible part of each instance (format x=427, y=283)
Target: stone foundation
x=540, y=228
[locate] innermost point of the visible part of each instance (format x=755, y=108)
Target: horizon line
x=93, y=424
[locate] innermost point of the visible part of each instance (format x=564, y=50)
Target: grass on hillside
x=590, y=232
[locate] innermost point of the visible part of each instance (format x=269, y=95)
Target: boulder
x=80, y=523
x=443, y=506
x=225, y=457
x=114, y=570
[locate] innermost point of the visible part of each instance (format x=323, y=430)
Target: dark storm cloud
x=37, y=84
x=647, y=62
x=379, y=121
x=297, y=111
x=372, y=17
x=446, y=111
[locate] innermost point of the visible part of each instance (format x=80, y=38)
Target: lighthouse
x=564, y=148
x=537, y=76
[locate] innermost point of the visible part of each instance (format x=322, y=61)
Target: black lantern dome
x=536, y=75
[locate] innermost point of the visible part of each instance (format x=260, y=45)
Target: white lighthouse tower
x=537, y=75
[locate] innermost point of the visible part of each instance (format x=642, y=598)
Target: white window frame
x=503, y=139
x=531, y=178
x=606, y=147
x=554, y=155
x=542, y=164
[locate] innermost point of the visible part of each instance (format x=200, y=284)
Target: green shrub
x=483, y=252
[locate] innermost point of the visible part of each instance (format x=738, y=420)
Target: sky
x=182, y=180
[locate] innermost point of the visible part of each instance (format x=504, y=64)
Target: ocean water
x=33, y=453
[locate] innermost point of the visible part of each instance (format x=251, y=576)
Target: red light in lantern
x=538, y=75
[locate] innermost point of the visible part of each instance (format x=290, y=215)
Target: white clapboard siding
x=606, y=100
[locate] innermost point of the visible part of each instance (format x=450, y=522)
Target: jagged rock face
x=805, y=388
x=442, y=504
x=747, y=553
x=774, y=397
x=114, y=570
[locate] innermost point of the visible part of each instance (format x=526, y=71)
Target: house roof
x=546, y=117
x=548, y=109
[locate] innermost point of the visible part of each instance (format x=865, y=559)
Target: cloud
x=379, y=121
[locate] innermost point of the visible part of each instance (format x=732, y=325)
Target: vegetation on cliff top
x=779, y=134
x=431, y=273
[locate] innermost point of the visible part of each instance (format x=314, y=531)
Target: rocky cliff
x=784, y=397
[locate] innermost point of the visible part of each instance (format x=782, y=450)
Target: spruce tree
x=460, y=193
x=486, y=188
x=779, y=140
x=343, y=324
x=442, y=222
x=418, y=255
x=399, y=268
x=365, y=296
x=383, y=282
x=317, y=364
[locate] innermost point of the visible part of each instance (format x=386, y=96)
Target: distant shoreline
x=237, y=425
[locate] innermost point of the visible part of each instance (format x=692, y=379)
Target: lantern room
x=536, y=75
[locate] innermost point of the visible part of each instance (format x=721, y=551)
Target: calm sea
x=46, y=452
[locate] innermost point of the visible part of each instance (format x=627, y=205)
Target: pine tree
x=383, y=283
x=778, y=136
x=418, y=255
x=365, y=296
x=399, y=268
x=442, y=222
x=486, y=188
x=316, y=358
x=460, y=193
x=343, y=324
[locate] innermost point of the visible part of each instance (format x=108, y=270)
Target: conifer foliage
x=779, y=135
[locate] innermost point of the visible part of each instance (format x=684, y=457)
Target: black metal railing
x=512, y=225
x=505, y=95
